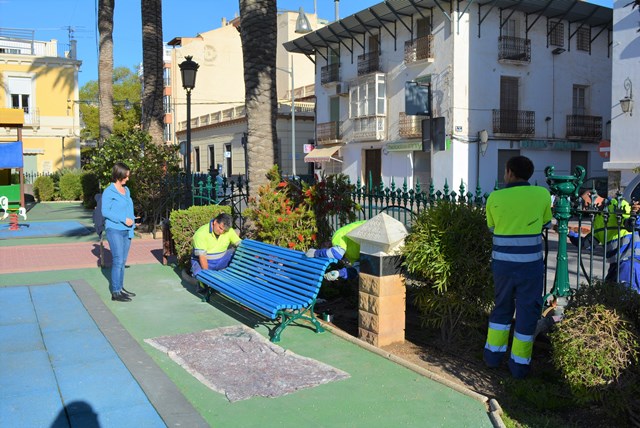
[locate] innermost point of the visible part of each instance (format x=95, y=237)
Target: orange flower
x=292, y=245
x=288, y=210
x=282, y=184
x=313, y=237
x=300, y=237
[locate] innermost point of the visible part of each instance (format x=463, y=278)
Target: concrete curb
x=493, y=408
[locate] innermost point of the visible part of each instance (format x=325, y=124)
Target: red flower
x=288, y=210
x=301, y=238
x=292, y=245
x=313, y=236
x=308, y=193
x=282, y=184
x=279, y=219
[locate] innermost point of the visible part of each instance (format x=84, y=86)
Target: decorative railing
x=418, y=49
x=514, y=122
x=369, y=128
x=589, y=127
x=368, y=63
x=410, y=126
x=329, y=132
x=330, y=73
x=514, y=49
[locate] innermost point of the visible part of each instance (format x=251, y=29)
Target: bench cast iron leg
x=288, y=318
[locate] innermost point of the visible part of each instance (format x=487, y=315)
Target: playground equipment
x=12, y=194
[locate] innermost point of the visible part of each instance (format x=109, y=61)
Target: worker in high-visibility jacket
x=516, y=215
x=343, y=249
x=616, y=238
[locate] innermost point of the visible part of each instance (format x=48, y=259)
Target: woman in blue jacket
x=117, y=210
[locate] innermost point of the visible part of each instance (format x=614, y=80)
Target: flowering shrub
x=291, y=216
x=280, y=217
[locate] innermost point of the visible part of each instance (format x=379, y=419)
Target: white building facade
x=535, y=76
x=218, y=121
x=625, y=126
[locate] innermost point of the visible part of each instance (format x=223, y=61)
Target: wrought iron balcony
x=586, y=127
x=368, y=63
x=330, y=73
x=369, y=128
x=410, y=126
x=514, y=49
x=329, y=132
x=418, y=49
x=514, y=122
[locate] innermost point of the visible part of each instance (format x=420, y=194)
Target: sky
x=57, y=19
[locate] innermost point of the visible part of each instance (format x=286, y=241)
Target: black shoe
x=120, y=297
x=128, y=293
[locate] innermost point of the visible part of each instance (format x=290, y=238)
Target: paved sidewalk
x=46, y=257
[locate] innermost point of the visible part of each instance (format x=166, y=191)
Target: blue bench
x=272, y=281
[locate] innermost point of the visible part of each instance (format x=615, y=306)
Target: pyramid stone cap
x=381, y=233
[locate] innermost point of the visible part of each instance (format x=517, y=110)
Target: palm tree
x=105, y=67
x=258, y=27
x=152, y=64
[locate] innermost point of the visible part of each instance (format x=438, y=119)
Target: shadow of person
x=76, y=414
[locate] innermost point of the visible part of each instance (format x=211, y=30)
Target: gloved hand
x=332, y=275
x=311, y=252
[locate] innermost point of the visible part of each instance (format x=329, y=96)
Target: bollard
x=382, y=292
x=562, y=187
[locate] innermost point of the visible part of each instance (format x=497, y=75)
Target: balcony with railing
x=514, y=123
x=410, y=126
x=419, y=49
x=584, y=127
x=369, y=128
x=17, y=41
x=330, y=73
x=329, y=132
x=368, y=63
x=514, y=49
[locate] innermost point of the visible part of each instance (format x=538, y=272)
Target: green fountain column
x=563, y=187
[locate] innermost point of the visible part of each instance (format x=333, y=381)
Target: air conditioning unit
x=342, y=88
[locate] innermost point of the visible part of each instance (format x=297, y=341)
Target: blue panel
x=26, y=373
x=11, y=155
x=20, y=338
x=73, y=346
x=105, y=385
x=41, y=409
x=15, y=306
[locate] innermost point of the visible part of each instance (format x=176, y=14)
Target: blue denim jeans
x=119, y=243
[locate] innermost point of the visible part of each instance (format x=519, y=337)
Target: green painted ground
x=378, y=394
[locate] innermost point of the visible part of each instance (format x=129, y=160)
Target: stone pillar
x=382, y=292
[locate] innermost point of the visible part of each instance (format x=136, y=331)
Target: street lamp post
x=188, y=71
x=293, y=119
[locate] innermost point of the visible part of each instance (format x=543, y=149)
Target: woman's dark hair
x=521, y=167
x=119, y=171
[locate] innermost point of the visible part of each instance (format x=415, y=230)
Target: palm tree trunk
x=258, y=28
x=152, y=65
x=105, y=67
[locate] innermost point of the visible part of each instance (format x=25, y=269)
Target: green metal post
x=563, y=187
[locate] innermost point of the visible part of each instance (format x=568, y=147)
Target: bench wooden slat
x=273, y=281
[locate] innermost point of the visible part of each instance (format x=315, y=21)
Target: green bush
x=90, y=186
x=71, y=186
x=619, y=297
x=592, y=347
x=43, y=188
x=184, y=224
x=449, y=250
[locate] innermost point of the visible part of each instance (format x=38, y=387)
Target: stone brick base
x=381, y=309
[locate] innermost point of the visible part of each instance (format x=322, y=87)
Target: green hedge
x=90, y=186
x=184, y=224
x=71, y=186
x=43, y=188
